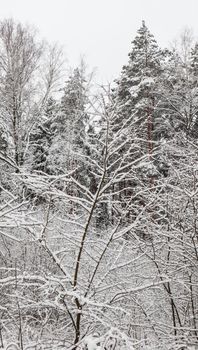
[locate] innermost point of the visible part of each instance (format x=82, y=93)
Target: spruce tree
x=42, y=138
x=68, y=149
x=179, y=92
x=194, y=90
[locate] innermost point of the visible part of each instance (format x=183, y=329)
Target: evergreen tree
x=194, y=60
x=69, y=125
x=136, y=96
x=73, y=108
x=134, y=92
x=194, y=90
x=5, y=168
x=136, y=99
x=179, y=92
x=3, y=142
x=42, y=138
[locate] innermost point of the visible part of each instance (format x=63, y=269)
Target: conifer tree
x=42, y=138
x=194, y=90
x=136, y=99
x=179, y=93
x=135, y=96
x=68, y=144
x=134, y=88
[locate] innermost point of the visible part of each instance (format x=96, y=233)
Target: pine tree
x=136, y=99
x=135, y=96
x=134, y=92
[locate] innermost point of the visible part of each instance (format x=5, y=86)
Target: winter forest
x=98, y=198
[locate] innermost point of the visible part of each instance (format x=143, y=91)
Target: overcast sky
x=102, y=30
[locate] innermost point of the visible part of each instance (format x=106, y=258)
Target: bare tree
x=24, y=90
x=19, y=57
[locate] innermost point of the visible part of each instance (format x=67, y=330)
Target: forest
x=98, y=197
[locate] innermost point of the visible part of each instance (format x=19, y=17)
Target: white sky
x=102, y=30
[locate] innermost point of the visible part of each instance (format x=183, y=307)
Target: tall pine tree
x=135, y=96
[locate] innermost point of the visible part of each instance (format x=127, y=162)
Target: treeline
x=98, y=198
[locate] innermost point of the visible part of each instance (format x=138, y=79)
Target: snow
x=147, y=81
x=92, y=342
